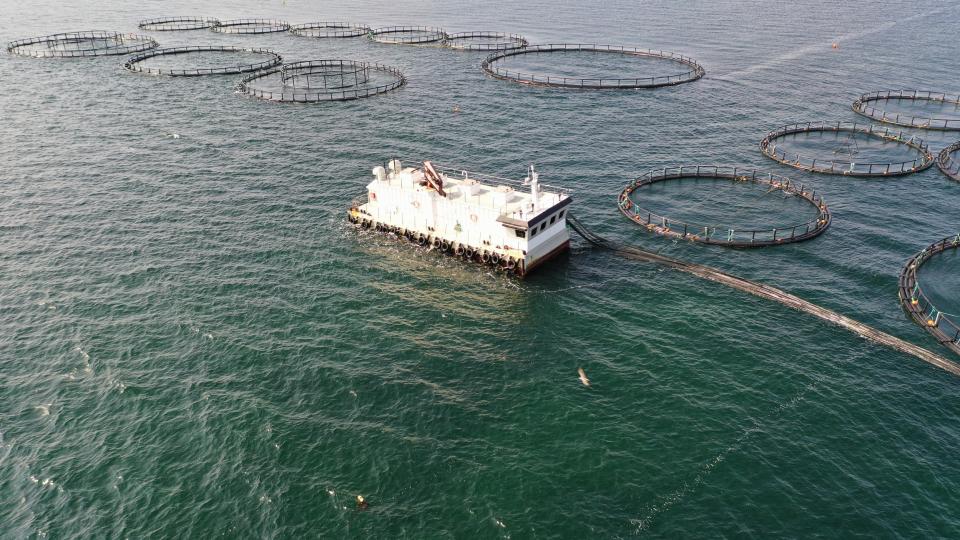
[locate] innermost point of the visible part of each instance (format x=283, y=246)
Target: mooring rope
x=768, y=292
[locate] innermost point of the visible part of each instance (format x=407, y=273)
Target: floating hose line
x=767, y=292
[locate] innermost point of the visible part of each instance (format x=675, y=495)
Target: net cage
x=948, y=161
x=330, y=30
x=313, y=81
x=81, y=44
x=251, y=26
x=847, y=167
x=725, y=235
x=408, y=35
x=919, y=306
x=135, y=63
x=485, y=41
x=172, y=24
x=692, y=70
x=866, y=105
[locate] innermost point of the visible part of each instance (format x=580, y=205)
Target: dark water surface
x=195, y=344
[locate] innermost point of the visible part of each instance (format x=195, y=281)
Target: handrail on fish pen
x=721, y=235
x=694, y=72
x=133, y=63
x=861, y=106
x=171, y=24
x=948, y=161
x=88, y=43
x=246, y=86
x=919, y=306
x=843, y=167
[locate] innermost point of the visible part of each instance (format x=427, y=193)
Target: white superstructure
x=513, y=225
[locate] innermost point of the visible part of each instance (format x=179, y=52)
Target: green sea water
x=194, y=342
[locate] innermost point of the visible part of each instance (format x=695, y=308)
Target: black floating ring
x=694, y=71
x=862, y=106
x=84, y=44
x=718, y=235
x=919, y=306
x=503, y=42
x=251, y=26
x=172, y=24
x=408, y=35
x=133, y=63
x=947, y=163
x=847, y=168
x=330, y=30
x=311, y=95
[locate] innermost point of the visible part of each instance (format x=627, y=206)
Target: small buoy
x=456, y=108
x=361, y=503
x=836, y=45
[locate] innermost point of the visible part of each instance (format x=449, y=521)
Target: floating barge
x=512, y=225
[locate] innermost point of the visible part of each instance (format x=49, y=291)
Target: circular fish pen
x=173, y=24
x=81, y=44
x=408, y=35
x=329, y=30
x=948, y=161
x=917, y=303
x=485, y=41
x=866, y=105
x=314, y=81
x=135, y=63
x=691, y=69
x=251, y=26
x=726, y=235
x=847, y=150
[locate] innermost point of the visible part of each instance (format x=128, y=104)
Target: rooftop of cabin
x=461, y=187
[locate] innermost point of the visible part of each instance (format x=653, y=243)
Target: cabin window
x=520, y=234
x=533, y=232
x=552, y=219
x=560, y=215
x=543, y=226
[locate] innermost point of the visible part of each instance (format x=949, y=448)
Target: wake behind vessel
x=515, y=226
